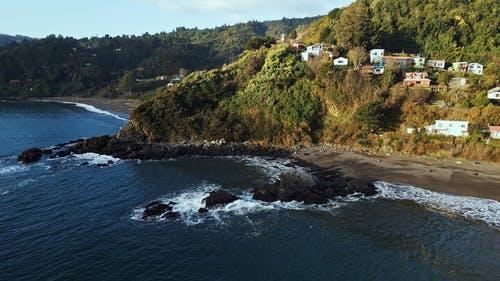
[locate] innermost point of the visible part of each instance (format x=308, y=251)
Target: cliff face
x=267, y=96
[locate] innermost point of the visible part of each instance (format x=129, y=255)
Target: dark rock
x=85, y=163
x=202, y=210
x=155, y=209
x=263, y=194
x=47, y=151
x=111, y=162
x=171, y=215
x=362, y=186
x=102, y=165
x=30, y=156
x=219, y=197
x=62, y=153
x=314, y=198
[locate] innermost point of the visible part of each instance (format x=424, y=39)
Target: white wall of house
x=436, y=63
x=376, y=55
x=495, y=132
x=341, y=61
x=449, y=128
x=419, y=62
x=494, y=94
x=475, y=68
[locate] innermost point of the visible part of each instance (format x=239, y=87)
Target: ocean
x=60, y=220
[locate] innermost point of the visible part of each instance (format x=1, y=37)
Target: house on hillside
x=378, y=69
x=494, y=94
x=419, y=62
x=376, y=55
x=401, y=62
x=417, y=79
x=315, y=51
x=448, y=128
x=460, y=66
x=475, y=68
x=436, y=64
x=494, y=132
x=341, y=61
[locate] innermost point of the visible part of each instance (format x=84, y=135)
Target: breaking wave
x=94, y=109
x=96, y=159
x=12, y=169
x=473, y=208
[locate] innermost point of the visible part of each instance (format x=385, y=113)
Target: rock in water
x=30, y=156
x=219, y=197
x=155, y=209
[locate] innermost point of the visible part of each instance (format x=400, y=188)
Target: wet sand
x=119, y=105
x=463, y=178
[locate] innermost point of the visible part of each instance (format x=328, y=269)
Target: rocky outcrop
x=159, y=209
x=219, y=198
x=314, y=187
x=31, y=155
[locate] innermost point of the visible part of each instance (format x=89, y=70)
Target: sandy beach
x=119, y=105
x=463, y=178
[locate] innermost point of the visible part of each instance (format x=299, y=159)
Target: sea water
x=60, y=220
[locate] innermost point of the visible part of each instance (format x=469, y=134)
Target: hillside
x=270, y=96
x=6, y=39
x=58, y=66
x=452, y=30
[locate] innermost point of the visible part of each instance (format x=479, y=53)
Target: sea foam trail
x=91, y=108
x=479, y=209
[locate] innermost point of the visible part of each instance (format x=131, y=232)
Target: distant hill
x=6, y=39
x=56, y=66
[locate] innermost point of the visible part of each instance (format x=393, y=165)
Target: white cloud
x=242, y=9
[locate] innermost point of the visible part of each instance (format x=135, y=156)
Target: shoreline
x=463, y=178
x=120, y=105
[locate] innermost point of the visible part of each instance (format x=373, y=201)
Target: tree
x=355, y=27
x=370, y=115
x=357, y=55
x=127, y=82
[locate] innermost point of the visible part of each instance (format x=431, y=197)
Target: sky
x=86, y=18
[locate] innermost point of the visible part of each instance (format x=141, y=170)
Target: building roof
x=494, y=128
x=496, y=89
x=397, y=57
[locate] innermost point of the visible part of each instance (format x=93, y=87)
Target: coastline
x=115, y=104
x=463, y=178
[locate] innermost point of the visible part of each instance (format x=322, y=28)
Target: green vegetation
x=57, y=66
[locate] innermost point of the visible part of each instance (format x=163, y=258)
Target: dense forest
x=270, y=96
x=58, y=66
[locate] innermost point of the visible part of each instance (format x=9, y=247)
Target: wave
x=272, y=167
x=189, y=202
x=91, y=108
x=96, y=159
x=12, y=169
x=473, y=208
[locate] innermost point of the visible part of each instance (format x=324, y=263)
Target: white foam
x=271, y=167
x=479, y=209
x=189, y=202
x=95, y=159
x=90, y=108
x=13, y=169
x=5, y=193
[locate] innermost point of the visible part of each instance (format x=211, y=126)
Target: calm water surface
x=62, y=221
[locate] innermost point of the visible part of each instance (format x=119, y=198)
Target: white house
x=436, y=63
x=494, y=94
x=494, y=132
x=449, y=128
x=314, y=51
x=341, y=61
x=475, y=68
x=376, y=55
x=419, y=62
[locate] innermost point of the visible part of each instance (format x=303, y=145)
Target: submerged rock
x=31, y=155
x=219, y=197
